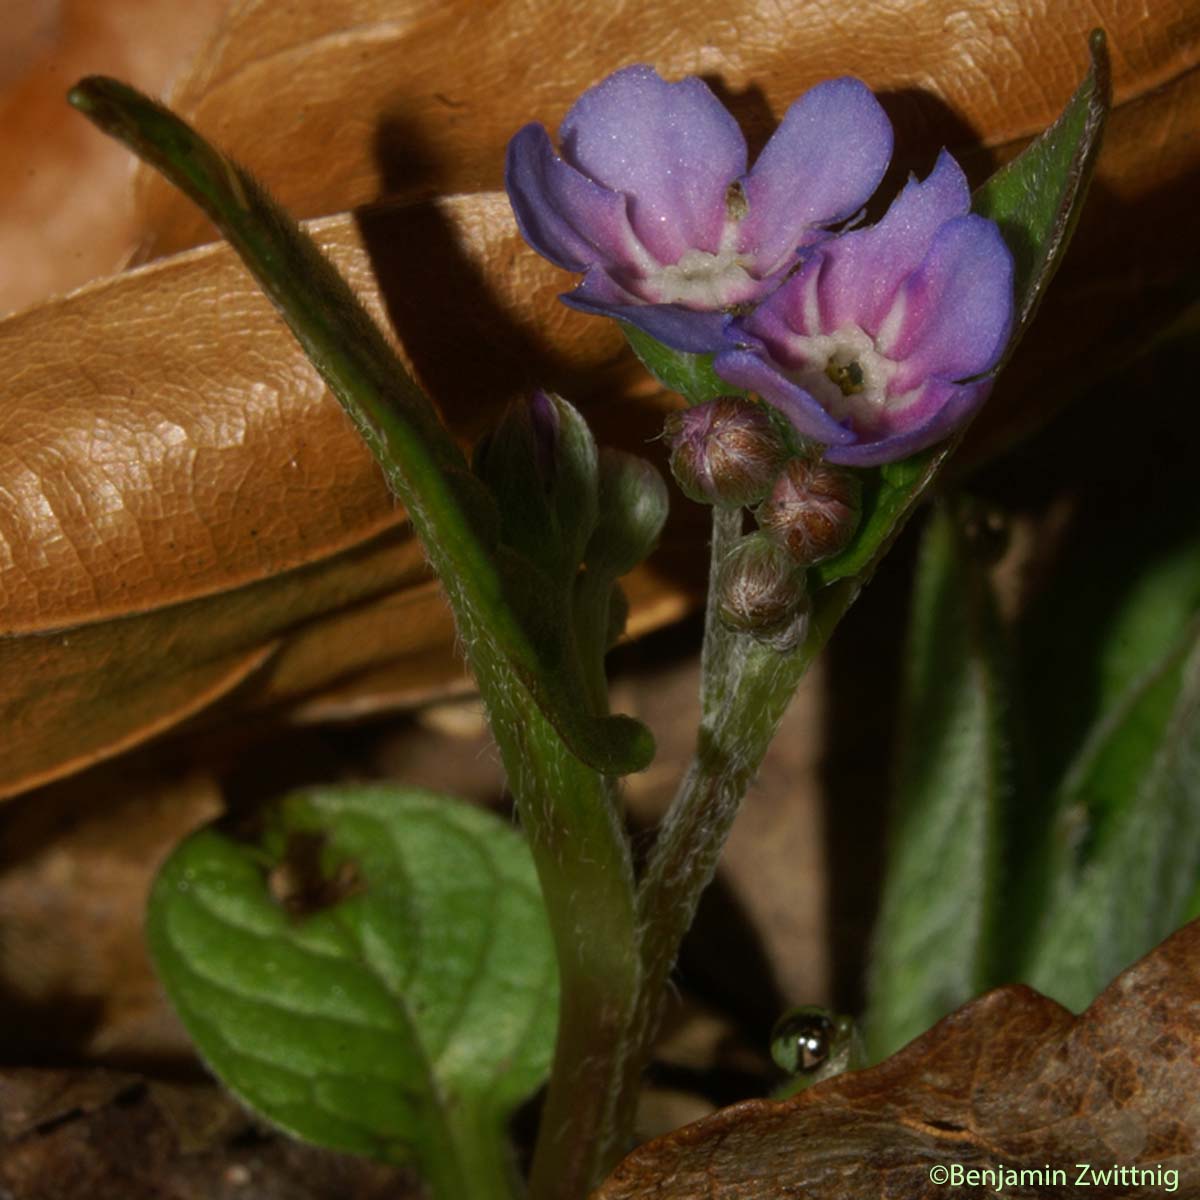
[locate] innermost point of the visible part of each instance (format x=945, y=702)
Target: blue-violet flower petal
x=651, y=199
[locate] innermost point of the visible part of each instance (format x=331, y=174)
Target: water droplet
x=802, y=1039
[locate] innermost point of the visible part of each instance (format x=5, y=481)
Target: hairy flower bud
x=727, y=451
x=813, y=510
x=762, y=592
x=540, y=464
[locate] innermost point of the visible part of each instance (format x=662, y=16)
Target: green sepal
x=451, y=512
x=374, y=972
x=691, y=375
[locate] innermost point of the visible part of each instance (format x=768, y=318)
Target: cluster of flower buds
x=730, y=452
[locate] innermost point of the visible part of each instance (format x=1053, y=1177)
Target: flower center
x=845, y=374
x=705, y=281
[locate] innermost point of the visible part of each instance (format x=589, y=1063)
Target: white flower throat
x=704, y=280
x=845, y=373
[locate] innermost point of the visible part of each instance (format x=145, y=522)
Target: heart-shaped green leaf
x=374, y=973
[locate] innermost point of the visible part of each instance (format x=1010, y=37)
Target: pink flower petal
x=563, y=215
x=953, y=315
x=866, y=266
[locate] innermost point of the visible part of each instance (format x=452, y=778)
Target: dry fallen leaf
x=104, y=1135
x=184, y=515
x=359, y=99
x=1011, y=1080
x=181, y=502
x=362, y=98
x=66, y=209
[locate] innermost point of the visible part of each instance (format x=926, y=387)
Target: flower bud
x=540, y=465
x=813, y=510
x=632, y=508
x=727, y=451
x=761, y=591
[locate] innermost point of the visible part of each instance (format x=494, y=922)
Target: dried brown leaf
x=355, y=99
x=338, y=104
x=66, y=209
x=184, y=515
x=1011, y=1080
x=184, y=511
x=102, y=1135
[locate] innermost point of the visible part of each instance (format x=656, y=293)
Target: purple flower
x=866, y=347
x=652, y=201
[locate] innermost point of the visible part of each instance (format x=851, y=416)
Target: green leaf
x=934, y=939
x=691, y=375
x=374, y=974
x=1036, y=199
x=1125, y=851
x=633, y=509
x=1107, y=623
x=887, y=498
x=1104, y=663
x=454, y=515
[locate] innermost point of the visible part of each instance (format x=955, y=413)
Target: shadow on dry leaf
x=1011, y=1080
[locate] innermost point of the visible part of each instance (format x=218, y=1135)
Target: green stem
x=583, y=864
x=473, y=1160
x=759, y=685
x=719, y=642
x=532, y=692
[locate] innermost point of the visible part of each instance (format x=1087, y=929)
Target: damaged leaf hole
x=301, y=882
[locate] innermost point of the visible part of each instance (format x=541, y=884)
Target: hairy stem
x=733, y=740
x=473, y=1159
x=579, y=847
x=719, y=643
